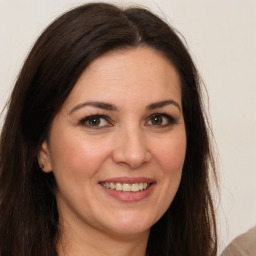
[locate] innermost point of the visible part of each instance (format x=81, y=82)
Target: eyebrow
x=96, y=104
x=162, y=104
x=111, y=107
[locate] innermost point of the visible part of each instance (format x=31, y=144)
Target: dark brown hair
x=28, y=209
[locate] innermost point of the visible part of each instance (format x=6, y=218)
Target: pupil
x=157, y=120
x=95, y=121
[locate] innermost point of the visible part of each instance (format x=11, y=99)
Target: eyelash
x=87, y=119
x=170, y=121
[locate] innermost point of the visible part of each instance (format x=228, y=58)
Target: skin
x=125, y=141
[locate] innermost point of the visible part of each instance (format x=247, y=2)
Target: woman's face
x=117, y=146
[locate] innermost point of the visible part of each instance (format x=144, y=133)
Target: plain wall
x=221, y=36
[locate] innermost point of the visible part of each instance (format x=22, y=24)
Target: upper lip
x=128, y=180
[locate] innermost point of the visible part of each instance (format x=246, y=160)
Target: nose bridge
x=131, y=147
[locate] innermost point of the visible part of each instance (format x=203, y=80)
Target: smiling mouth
x=124, y=187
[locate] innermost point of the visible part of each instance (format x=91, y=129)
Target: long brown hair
x=28, y=208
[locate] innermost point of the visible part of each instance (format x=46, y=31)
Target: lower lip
x=129, y=196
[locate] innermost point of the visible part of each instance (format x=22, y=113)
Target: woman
x=105, y=148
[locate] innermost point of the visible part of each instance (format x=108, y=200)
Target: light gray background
x=221, y=35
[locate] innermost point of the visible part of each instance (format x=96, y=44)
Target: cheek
x=76, y=156
x=171, y=154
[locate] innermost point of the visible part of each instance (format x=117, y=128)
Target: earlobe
x=44, y=158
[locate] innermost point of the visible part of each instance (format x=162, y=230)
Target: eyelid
x=90, y=117
x=171, y=120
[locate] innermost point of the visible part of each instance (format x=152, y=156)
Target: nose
x=131, y=149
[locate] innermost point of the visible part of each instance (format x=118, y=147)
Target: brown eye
x=161, y=120
x=156, y=120
x=95, y=121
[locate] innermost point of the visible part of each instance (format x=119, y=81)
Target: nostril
x=131, y=158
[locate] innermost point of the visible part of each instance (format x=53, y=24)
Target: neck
x=76, y=241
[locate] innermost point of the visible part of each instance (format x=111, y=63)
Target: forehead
x=128, y=73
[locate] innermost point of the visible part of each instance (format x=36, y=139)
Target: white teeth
x=134, y=187
x=141, y=186
x=112, y=185
x=119, y=186
x=126, y=187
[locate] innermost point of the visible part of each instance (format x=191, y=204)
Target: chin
x=125, y=224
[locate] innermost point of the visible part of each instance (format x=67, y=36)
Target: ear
x=43, y=157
